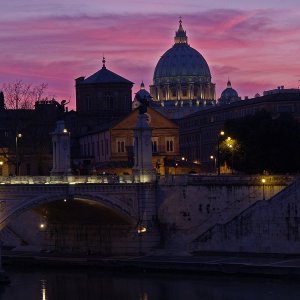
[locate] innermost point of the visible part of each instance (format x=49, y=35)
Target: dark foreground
x=84, y=283
x=217, y=264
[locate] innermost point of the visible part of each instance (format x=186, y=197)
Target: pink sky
x=257, y=45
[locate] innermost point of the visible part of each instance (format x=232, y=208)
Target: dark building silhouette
x=102, y=97
x=25, y=143
x=199, y=132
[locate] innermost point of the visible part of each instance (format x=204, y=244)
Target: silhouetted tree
x=265, y=143
x=21, y=95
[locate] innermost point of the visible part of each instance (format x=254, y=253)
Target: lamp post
x=218, y=150
x=1, y=165
x=18, y=136
x=263, y=181
x=175, y=167
x=214, y=162
x=230, y=146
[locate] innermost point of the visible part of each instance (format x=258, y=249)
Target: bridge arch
x=124, y=210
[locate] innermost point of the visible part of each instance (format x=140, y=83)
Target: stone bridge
x=118, y=215
x=130, y=203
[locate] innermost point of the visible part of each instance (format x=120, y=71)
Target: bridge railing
x=165, y=179
x=204, y=179
x=66, y=179
x=244, y=180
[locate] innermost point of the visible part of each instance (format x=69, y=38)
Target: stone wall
x=271, y=226
x=189, y=208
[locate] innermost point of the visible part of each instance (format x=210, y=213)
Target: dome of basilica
x=182, y=73
x=181, y=60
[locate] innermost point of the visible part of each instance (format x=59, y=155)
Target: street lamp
x=18, y=136
x=214, y=161
x=230, y=146
x=175, y=167
x=263, y=181
x=1, y=165
x=218, y=150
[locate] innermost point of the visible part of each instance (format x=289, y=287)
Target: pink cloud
x=250, y=47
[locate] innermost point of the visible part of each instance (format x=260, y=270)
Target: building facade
x=199, y=132
x=110, y=149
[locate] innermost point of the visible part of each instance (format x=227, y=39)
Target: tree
x=228, y=149
x=21, y=95
x=266, y=143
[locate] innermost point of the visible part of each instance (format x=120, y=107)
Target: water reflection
x=44, y=289
x=91, y=285
x=144, y=296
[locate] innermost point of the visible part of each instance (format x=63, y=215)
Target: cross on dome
x=103, y=62
x=228, y=83
x=180, y=35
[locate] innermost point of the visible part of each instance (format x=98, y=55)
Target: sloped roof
x=158, y=120
x=105, y=76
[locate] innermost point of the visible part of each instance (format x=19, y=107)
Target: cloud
x=257, y=49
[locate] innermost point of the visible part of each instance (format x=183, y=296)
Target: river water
x=65, y=284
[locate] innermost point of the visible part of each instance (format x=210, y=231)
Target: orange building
x=110, y=149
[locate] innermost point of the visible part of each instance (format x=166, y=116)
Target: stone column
x=61, y=150
x=1, y=269
x=143, y=170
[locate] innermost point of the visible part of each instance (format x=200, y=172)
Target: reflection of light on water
x=144, y=296
x=44, y=289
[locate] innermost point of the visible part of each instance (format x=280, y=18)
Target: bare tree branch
x=21, y=95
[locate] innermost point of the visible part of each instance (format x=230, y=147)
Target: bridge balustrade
x=106, y=179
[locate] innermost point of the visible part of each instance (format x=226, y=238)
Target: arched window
x=154, y=145
x=88, y=103
x=108, y=100
x=170, y=144
x=121, y=145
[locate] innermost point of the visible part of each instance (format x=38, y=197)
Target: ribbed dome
x=182, y=73
x=229, y=95
x=181, y=60
x=143, y=93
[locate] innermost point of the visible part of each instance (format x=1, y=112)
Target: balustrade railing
x=161, y=179
x=112, y=179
